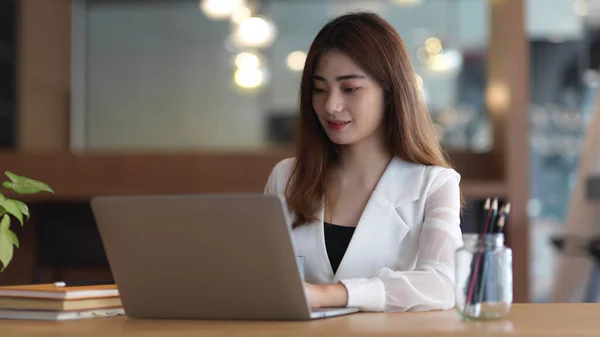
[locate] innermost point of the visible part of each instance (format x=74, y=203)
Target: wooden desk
x=524, y=320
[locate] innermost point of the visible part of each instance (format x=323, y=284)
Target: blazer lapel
x=311, y=245
x=380, y=228
x=322, y=259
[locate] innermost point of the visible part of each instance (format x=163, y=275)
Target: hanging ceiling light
x=220, y=9
x=295, y=60
x=433, y=45
x=249, y=78
x=250, y=72
x=581, y=7
x=407, y=2
x=247, y=60
x=255, y=32
x=448, y=61
x=240, y=14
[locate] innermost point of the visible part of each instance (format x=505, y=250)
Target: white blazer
x=401, y=256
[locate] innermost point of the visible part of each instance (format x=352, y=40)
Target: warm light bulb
x=581, y=7
x=248, y=78
x=433, y=45
x=497, y=96
x=407, y=2
x=295, y=60
x=240, y=14
x=220, y=9
x=247, y=60
x=450, y=60
x=255, y=32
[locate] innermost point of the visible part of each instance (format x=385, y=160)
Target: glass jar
x=484, y=277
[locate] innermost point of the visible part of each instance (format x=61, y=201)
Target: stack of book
x=52, y=302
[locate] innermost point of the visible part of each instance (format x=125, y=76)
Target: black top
x=337, y=239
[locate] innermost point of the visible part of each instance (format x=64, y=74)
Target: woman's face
x=349, y=103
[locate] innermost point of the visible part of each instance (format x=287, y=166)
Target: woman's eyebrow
x=340, y=78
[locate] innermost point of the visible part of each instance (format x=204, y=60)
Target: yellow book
x=59, y=305
x=51, y=291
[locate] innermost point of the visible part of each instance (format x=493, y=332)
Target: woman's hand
x=326, y=295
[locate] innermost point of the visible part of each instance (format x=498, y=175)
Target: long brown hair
x=379, y=50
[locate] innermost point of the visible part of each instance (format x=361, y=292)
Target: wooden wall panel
x=44, y=70
x=508, y=101
x=80, y=177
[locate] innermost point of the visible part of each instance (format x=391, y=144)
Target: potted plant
x=17, y=210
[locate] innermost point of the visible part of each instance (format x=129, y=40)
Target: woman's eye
x=319, y=90
x=351, y=89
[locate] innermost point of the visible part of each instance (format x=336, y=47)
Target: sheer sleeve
x=430, y=286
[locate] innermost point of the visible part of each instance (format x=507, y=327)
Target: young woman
x=374, y=203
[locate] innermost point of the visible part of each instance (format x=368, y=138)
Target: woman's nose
x=334, y=103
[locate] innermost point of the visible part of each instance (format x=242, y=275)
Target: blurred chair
x=577, y=246
x=574, y=273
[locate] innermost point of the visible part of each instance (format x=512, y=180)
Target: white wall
x=158, y=77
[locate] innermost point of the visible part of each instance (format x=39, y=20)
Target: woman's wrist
x=334, y=296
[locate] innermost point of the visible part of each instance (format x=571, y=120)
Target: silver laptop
x=204, y=257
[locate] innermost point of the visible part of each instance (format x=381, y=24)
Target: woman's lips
x=337, y=124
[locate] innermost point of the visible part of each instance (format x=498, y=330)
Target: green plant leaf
x=11, y=207
x=22, y=207
x=25, y=185
x=8, y=240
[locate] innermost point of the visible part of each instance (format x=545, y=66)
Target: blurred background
x=187, y=96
